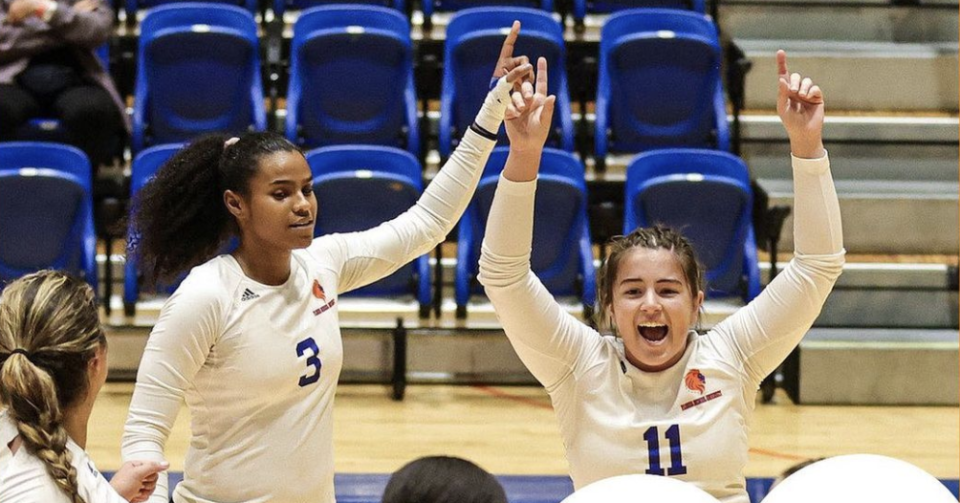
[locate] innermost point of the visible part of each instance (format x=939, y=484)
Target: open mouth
x=653, y=332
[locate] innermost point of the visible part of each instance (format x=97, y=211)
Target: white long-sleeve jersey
x=24, y=477
x=258, y=364
x=691, y=420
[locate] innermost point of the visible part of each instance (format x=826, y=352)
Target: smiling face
x=279, y=207
x=653, y=307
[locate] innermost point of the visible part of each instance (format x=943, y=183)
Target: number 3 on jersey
x=309, y=347
x=652, y=436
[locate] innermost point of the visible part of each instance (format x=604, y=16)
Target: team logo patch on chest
x=696, y=382
x=318, y=292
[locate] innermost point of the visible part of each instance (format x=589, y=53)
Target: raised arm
x=370, y=255
x=548, y=340
x=763, y=333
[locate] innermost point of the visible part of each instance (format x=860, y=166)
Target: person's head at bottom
x=52, y=365
x=443, y=479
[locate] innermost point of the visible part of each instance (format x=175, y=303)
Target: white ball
x=640, y=489
x=860, y=477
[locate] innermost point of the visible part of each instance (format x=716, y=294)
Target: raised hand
x=529, y=116
x=800, y=106
x=506, y=63
x=135, y=481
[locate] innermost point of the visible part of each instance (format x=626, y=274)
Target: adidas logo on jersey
x=248, y=295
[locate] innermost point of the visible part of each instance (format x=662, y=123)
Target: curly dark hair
x=181, y=220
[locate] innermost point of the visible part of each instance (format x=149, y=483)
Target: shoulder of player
x=209, y=284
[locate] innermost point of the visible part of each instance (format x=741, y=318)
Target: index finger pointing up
x=506, y=51
x=782, y=65
x=542, y=76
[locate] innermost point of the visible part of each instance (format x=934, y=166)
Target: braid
x=50, y=445
x=49, y=331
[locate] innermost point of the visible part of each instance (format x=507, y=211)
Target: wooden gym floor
x=512, y=431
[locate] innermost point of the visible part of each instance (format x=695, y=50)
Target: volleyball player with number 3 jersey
x=657, y=398
x=251, y=339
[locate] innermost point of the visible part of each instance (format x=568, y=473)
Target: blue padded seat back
x=38, y=216
x=474, y=39
x=660, y=71
x=351, y=69
x=199, y=72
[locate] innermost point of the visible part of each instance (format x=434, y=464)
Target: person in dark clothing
x=49, y=69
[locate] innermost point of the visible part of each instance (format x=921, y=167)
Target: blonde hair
x=49, y=331
x=653, y=238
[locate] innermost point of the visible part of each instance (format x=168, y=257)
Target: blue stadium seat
x=145, y=165
x=659, y=83
x=431, y=6
x=281, y=6
x=198, y=72
x=351, y=79
x=361, y=186
x=582, y=7
x=562, y=255
x=46, y=211
x=704, y=194
x=132, y=6
x=474, y=38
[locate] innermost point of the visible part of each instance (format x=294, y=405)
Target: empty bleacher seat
x=474, y=39
x=582, y=7
x=706, y=196
x=431, y=6
x=132, y=6
x=281, y=6
x=351, y=79
x=562, y=256
x=361, y=186
x=198, y=71
x=46, y=211
x=659, y=83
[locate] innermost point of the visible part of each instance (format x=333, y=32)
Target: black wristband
x=482, y=132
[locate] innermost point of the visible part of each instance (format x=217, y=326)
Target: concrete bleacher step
x=860, y=75
x=879, y=367
x=888, y=216
x=862, y=147
x=863, y=21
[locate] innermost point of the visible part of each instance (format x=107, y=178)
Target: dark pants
x=87, y=113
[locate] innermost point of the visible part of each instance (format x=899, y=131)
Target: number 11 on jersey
x=652, y=436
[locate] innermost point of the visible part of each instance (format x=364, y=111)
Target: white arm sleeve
x=546, y=338
x=373, y=254
x=189, y=325
x=764, y=332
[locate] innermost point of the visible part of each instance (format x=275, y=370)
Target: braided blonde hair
x=49, y=331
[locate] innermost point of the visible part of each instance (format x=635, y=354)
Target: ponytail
x=49, y=331
x=181, y=219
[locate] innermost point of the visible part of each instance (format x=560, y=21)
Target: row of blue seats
x=580, y=8
x=46, y=217
x=351, y=77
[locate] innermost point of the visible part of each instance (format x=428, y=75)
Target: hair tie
x=21, y=351
x=231, y=141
